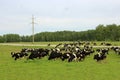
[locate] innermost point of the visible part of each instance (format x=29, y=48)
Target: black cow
x=34, y=54
x=54, y=55
x=44, y=53
x=38, y=53
x=108, y=44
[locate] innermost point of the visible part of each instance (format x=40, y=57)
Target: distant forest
x=101, y=33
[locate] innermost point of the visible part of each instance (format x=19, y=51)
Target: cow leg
x=15, y=58
x=69, y=60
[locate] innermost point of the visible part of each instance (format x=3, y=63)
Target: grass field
x=42, y=69
x=117, y=43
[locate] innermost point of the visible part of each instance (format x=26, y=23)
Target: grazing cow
x=94, y=44
x=98, y=50
x=99, y=56
x=116, y=50
x=26, y=50
x=108, y=44
x=54, y=55
x=80, y=56
x=88, y=52
x=72, y=57
x=18, y=55
x=65, y=56
x=15, y=55
x=77, y=49
x=38, y=53
x=102, y=43
x=44, y=53
x=80, y=43
x=103, y=50
x=34, y=54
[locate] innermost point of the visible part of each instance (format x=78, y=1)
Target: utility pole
x=33, y=29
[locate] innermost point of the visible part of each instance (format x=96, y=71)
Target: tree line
x=101, y=33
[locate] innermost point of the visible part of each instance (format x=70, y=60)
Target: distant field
x=117, y=43
x=42, y=69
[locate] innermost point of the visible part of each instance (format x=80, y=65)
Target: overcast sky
x=56, y=15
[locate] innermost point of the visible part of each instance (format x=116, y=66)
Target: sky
x=56, y=15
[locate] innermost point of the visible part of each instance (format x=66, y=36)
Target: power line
x=33, y=29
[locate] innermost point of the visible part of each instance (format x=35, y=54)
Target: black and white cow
x=69, y=56
x=72, y=57
x=116, y=50
x=100, y=56
x=80, y=55
x=65, y=56
x=105, y=50
x=18, y=55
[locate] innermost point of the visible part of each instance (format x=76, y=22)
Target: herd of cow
x=70, y=52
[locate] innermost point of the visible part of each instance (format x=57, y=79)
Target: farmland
x=43, y=69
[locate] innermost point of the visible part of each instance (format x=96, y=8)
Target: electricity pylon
x=33, y=29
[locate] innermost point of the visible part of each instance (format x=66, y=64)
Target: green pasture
x=114, y=43
x=42, y=69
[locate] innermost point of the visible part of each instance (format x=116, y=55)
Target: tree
x=1, y=39
x=11, y=38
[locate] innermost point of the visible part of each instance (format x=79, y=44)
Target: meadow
x=43, y=69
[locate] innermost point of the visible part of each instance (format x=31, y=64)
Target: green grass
x=115, y=43
x=42, y=69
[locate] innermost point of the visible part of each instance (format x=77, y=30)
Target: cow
x=65, y=56
x=99, y=56
x=15, y=55
x=72, y=57
x=18, y=55
x=38, y=53
x=54, y=55
x=80, y=56
x=105, y=50
x=116, y=50
x=34, y=54
x=108, y=44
